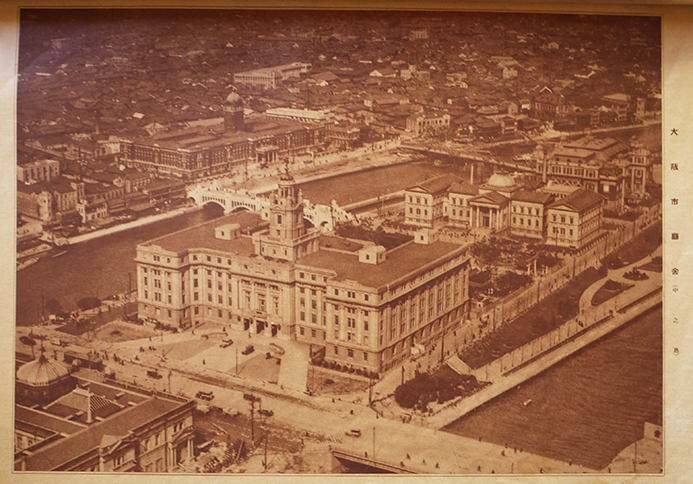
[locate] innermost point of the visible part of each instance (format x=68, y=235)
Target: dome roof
x=42, y=372
x=234, y=98
x=501, y=181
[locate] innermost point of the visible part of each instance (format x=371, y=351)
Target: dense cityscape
x=338, y=242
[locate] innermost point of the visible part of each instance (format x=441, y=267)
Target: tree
x=53, y=306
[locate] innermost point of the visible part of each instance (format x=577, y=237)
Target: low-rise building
x=420, y=125
x=68, y=423
x=575, y=221
x=271, y=77
x=40, y=170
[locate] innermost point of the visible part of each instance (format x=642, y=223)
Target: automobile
x=265, y=412
x=226, y=343
x=248, y=349
x=154, y=374
x=353, y=433
x=202, y=395
x=250, y=397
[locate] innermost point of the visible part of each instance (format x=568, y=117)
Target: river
x=588, y=407
x=98, y=267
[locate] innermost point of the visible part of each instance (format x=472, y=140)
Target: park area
x=640, y=247
x=515, y=253
x=609, y=290
x=440, y=386
x=539, y=320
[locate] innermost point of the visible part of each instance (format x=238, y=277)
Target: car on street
x=248, y=349
x=226, y=343
x=154, y=374
x=202, y=395
x=353, y=433
x=266, y=413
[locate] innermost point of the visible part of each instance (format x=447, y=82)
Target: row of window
x=567, y=170
x=418, y=211
x=530, y=210
x=418, y=200
x=529, y=222
x=350, y=353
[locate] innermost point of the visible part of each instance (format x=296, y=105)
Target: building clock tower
x=287, y=237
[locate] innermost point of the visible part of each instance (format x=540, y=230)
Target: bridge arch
x=214, y=203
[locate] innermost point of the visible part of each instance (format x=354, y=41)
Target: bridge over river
x=231, y=200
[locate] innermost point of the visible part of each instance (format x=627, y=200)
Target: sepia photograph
x=339, y=242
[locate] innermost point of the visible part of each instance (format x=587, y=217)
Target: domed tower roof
x=499, y=180
x=42, y=372
x=234, y=99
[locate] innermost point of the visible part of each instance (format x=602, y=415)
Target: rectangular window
x=350, y=353
x=303, y=316
x=336, y=350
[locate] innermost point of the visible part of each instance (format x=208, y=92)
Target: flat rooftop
x=398, y=263
x=203, y=237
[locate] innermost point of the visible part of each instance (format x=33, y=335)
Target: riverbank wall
x=131, y=225
x=526, y=362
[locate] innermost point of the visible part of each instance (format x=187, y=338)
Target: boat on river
x=63, y=250
x=26, y=263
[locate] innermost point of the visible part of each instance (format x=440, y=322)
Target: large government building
x=361, y=304
x=222, y=146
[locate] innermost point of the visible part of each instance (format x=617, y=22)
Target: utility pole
x=442, y=346
x=373, y=442
x=252, y=422
x=370, y=389
x=265, y=461
x=236, y=361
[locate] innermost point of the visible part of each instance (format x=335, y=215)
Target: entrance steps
x=459, y=366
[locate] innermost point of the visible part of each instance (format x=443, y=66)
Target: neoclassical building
x=68, y=423
x=503, y=205
x=365, y=306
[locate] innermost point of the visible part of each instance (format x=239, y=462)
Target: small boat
x=527, y=402
x=26, y=263
x=62, y=252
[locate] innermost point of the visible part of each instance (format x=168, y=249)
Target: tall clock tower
x=287, y=237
